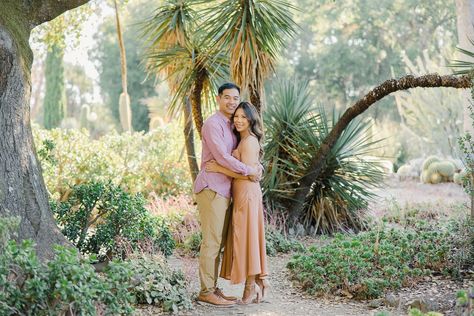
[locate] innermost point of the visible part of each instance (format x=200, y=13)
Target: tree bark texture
x=22, y=188
x=189, y=140
x=317, y=165
x=196, y=101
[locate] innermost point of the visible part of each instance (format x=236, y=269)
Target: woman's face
x=241, y=122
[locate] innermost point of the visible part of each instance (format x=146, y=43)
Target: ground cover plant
x=366, y=265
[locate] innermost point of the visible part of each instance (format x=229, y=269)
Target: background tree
x=22, y=190
x=345, y=48
x=55, y=97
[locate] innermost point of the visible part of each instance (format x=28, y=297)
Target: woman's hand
x=212, y=166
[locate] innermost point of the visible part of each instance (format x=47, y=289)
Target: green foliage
x=297, y=132
x=66, y=283
x=139, y=162
x=466, y=144
x=55, y=95
x=353, y=54
x=96, y=214
x=276, y=242
x=192, y=244
x=371, y=262
x=156, y=284
x=465, y=302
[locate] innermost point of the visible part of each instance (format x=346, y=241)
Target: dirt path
x=285, y=299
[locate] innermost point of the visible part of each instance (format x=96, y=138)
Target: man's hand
x=253, y=178
x=257, y=176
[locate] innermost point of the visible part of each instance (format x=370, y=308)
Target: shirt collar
x=223, y=117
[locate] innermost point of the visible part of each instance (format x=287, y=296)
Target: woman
x=245, y=252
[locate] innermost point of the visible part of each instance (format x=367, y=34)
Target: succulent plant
x=428, y=161
x=444, y=168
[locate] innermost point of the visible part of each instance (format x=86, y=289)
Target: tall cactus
x=124, y=101
x=55, y=96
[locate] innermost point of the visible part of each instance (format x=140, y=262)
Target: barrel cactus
x=428, y=161
x=444, y=168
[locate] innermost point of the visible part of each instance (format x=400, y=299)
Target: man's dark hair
x=228, y=85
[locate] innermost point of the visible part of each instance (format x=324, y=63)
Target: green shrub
x=66, y=283
x=367, y=264
x=156, y=284
x=276, y=242
x=465, y=302
x=96, y=214
x=139, y=162
x=192, y=244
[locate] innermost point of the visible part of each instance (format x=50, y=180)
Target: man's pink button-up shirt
x=218, y=142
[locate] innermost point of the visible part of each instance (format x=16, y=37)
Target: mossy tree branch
x=317, y=165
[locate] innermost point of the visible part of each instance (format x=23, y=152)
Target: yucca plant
x=463, y=67
x=176, y=50
x=253, y=33
x=295, y=130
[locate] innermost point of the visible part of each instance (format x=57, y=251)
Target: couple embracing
x=231, y=169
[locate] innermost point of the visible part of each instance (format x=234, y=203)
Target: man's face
x=228, y=101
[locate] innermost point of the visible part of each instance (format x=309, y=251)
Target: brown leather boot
x=214, y=300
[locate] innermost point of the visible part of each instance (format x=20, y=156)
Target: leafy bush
x=367, y=264
x=96, y=214
x=192, y=244
x=156, y=284
x=298, y=130
x=464, y=302
x=276, y=242
x=139, y=162
x=67, y=283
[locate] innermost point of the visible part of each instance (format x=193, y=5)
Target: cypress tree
x=55, y=96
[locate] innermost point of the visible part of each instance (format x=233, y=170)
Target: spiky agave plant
x=295, y=130
x=342, y=192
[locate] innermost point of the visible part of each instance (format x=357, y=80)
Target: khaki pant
x=214, y=218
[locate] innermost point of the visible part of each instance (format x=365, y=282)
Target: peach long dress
x=245, y=250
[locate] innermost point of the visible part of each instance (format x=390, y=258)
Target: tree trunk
x=196, y=101
x=22, y=189
x=465, y=28
x=317, y=165
x=255, y=100
x=189, y=140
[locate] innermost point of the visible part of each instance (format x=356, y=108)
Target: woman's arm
x=213, y=166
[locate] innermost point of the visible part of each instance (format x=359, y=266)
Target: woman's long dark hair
x=255, y=123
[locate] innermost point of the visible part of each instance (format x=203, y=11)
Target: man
x=213, y=192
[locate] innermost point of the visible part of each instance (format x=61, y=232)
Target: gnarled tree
x=22, y=189
x=318, y=164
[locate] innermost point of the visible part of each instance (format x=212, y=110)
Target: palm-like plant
x=253, y=32
x=173, y=51
x=464, y=67
x=343, y=188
